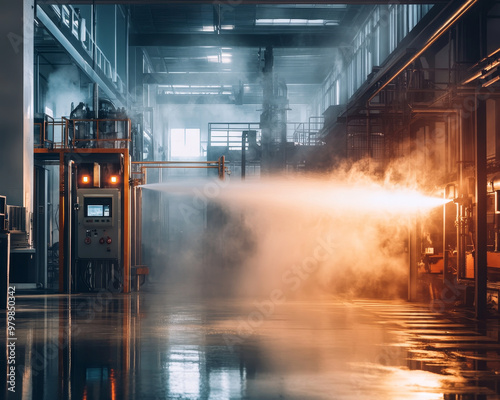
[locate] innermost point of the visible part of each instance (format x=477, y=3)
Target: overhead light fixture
x=295, y=22
x=224, y=58
x=209, y=28
x=227, y=27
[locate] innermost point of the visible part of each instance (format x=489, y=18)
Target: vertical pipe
x=127, y=51
x=480, y=264
x=62, y=202
x=368, y=134
x=461, y=273
x=115, y=30
x=37, y=84
x=445, y=245
x=95, y=100
x=133, y=223
x=139, y=224
x=243, y=154
x=413, y=254
x=94, y=35
x=222, y=166
x=70, y=224
x=126, y=221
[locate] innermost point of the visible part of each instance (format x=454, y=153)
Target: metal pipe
x=244, y=136
x=95, y=100
x=133, y=222
x=70, y=222
x=171, y=166
x=480, y=264
x=139, y=224
x=222, y=168
x=442, y=29
x=175, y=162
x=446, y=278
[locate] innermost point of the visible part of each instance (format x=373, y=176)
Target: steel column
x=480, y=260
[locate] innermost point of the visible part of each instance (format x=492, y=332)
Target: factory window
x=185, y=143
x=379, y=36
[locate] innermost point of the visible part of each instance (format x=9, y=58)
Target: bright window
x=185, y=143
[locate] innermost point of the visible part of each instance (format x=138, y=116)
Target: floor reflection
x=157, y=346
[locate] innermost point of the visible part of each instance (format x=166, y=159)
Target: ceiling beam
x=235, y=3
x=221, y=78
x=220, y=99
x=204, y=99
x=293, y=40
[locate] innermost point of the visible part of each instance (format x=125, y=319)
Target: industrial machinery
x=98, y=238
x=97, y=227
x=105, y=123
x=449, y=248
x=83, y=233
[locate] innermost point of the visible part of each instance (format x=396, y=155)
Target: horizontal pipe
x=188, y=166
x=434, y=111
x=175, y=162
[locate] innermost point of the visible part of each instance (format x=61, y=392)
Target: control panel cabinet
x=99, y=222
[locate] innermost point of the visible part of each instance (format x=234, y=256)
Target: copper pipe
x=174, y=162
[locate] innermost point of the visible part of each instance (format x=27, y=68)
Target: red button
x=101, y=240
x=108, y=240
x=88, y=240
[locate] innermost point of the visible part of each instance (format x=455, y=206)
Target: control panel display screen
x=94, y=210
x=97, y=207
x=98, y=210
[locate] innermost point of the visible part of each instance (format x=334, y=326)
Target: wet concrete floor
x=154, y=345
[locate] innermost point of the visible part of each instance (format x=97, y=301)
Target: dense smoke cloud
x=341, y=234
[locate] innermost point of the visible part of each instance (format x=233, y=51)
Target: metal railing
x=228, y=134
x=84, y=133
x=140, y=168
x=72, y=24
x=306, y=133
